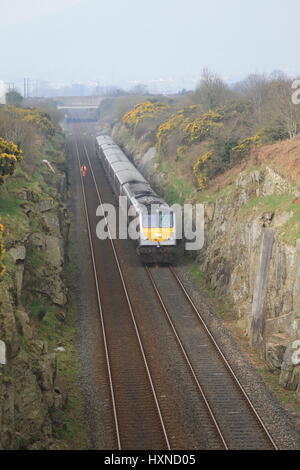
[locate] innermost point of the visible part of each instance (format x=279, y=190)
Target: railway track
x=235, y=417
x=138, y=417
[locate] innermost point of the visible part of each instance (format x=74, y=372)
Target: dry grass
x=283, y=156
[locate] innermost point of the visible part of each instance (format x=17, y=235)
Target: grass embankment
x=179, y=190
x=50, y=325
x=279, y=204
x=12, y=193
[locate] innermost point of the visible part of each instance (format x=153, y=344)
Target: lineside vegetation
x=23, y=132
x=215, y=127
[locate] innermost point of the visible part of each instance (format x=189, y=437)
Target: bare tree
x=271, y=102
x=212, y=91
x=283, y=107
x=139, y=89
x=255, y=89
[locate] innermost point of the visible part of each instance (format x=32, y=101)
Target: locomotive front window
x=165, y=220
x=150, y=221
x=160, y=220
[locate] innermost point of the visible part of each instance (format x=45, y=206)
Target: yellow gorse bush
x=10, y=155
x=10, y=148
x=198, y=129
x=38, y=118
x=245, y=145
x=198, y=172
x=142, y=111
x=171, y=125
x=41, y=121
x=191, y=129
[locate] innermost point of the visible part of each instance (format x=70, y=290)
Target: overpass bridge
x=79, y=108
x=78, y=100
x=81, y=112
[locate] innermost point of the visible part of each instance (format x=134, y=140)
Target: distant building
x=3, y=91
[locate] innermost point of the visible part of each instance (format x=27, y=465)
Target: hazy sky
x=120, y=40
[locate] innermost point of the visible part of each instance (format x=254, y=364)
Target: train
x=156, y=241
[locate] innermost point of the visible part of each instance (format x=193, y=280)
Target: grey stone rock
x=53, y=287
x=44, y=205
x=145, y=162
x=54, y=251
x=38, y=240
x=243, y=199
x=275, y=183
x=281, y=219
x=8, y=325
x=23, y=322
x=19, y=280
x=290, y=373
x=18, y=253
x=60, y=395
x=31, y=196
x=31, y=410
x=52, y=223
x=46, y=372
x=209, y=210
x=274, y=354
x=296, y=290
x=287, y=302
x=297, y=394
x=260, y=289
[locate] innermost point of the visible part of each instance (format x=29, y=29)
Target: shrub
x=244, y=146
x=10, y=155
x=199, y=172
x=173, y=125
x=192, y=126
x=14, y=97
x=198, y=129
x=142, y=111
x=39, y=119
x=276, y=132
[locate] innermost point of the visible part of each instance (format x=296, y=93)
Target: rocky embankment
x=252, y=246
x=31, y=290
x=252, y=255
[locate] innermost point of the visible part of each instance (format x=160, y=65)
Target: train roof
x=114, y=157
x=105, y=139
x=124, y=170
x=143, y=195
x=128, y=176
x=112, y=151
x=137, y=186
